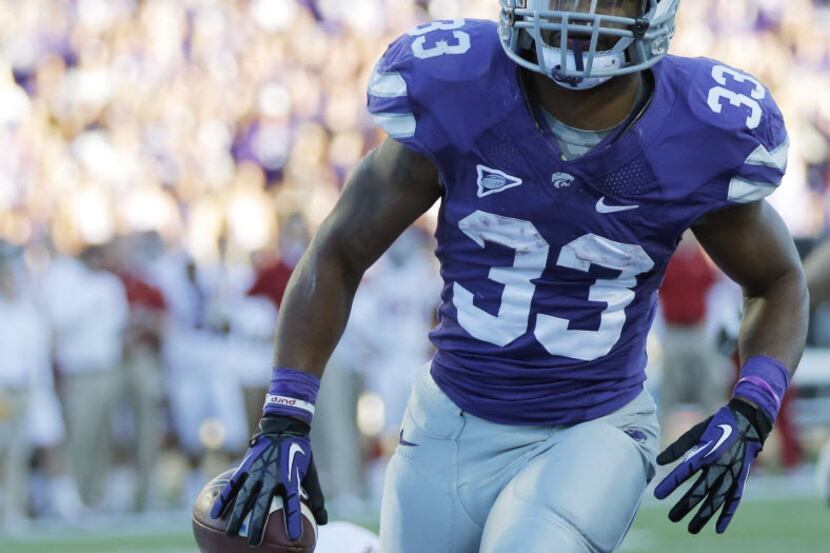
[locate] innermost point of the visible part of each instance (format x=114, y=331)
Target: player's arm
x=750, y=244
x=817, y=269
x=388, y=191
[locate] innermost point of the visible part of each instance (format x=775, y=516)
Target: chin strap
x=576, y=49
x=575, y=61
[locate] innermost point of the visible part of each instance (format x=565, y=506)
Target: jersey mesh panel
x=630, y=180
x=503, y=151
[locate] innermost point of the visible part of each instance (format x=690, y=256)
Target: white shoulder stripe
x=396, y=125
x=744, y=191
x=776, y=159
x=387, y=85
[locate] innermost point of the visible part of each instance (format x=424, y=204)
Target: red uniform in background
x=143, y=297
x=271, y=281
x=144, y=379
x=688, y=280
x=272, y=277
x=693, y=375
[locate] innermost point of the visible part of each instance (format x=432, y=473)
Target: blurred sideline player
x=393, y=311
x=24, y=366
x=817, y=269
x=694, y=377
x=569, y=154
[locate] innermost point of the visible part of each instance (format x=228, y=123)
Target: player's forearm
x=315, y=308
x=388, y=191
x=313, y=314
x=775, y=320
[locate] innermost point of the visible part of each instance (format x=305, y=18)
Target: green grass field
x=792, y=526
x=779, y=526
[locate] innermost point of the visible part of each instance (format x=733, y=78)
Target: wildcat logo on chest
x=561, y=180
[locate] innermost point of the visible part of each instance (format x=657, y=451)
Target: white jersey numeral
x=631, y=260
x=461, y=39
x=720, y=93
x=529, y=262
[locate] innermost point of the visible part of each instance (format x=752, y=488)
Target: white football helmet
x=581, y=44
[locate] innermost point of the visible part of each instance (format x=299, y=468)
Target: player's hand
x=278, y=461
x=722, y=449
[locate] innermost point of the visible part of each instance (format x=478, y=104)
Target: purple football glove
x=278, y=461
x=722, y=449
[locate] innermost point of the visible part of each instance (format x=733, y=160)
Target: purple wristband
x=764, y=382
x=292, y=393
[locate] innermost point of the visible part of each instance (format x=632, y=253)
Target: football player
x=569, y=153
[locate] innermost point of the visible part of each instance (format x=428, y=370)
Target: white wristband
x=286, y=401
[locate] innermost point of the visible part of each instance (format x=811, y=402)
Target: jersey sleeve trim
x=762, y=174
x=744, y=191
x=776, y=159
x=387, y=85
x=389, y=104
x=396, y=125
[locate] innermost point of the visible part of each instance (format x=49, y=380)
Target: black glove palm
x=277, y=463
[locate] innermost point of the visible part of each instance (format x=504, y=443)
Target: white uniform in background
x=202, y=383
x=88, y=311
x=24, y=365
x=251, y=345
x=393, y=314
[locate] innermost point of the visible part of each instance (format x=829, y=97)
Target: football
x=210, y=533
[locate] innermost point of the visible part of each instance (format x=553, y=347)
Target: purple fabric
x=556, y=356
x=764, y=382
x=297, y=385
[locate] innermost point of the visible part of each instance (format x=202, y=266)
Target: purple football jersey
x=552, y=267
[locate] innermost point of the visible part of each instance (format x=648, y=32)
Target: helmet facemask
x=581, y=44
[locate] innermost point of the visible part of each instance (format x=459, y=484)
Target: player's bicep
x=388, y=191
x=750, y=243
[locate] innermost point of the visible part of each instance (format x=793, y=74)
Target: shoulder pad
x=417, y=87
x=744, y=126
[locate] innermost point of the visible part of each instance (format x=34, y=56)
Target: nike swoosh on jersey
x=602, y=207
x=727, y=431
x=292, y=453
x=403, y=442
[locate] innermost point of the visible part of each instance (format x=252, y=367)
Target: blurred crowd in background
x=163, y=165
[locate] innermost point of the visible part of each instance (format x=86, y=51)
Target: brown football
x=210, y=533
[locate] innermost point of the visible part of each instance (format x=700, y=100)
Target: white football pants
x=472, y=486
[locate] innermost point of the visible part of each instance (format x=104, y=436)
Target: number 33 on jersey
x=552, y=267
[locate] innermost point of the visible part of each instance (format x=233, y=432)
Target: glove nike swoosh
x=727, y=431
x=292, y=454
